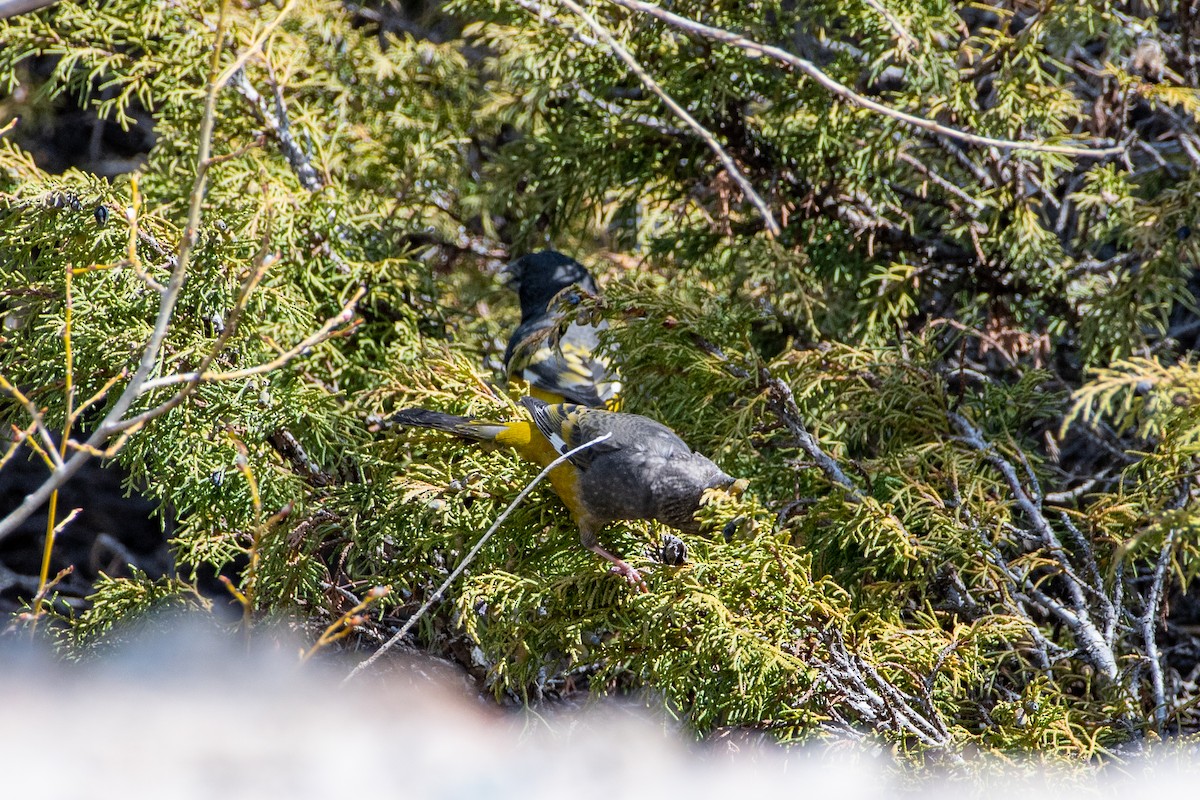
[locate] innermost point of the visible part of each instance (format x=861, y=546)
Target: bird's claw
x=630, y=574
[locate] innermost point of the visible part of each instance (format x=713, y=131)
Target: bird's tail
x=468, y=428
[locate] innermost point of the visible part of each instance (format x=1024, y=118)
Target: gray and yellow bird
x=560, y=363
x=642, y=471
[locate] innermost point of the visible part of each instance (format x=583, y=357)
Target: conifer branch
x=731, y=168
x=114, y=421
x=1077, y=614
x=468, y=558
x=846, y=93
x=1148, y=623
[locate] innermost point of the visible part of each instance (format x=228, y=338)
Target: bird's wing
x=639, y=439
x=568, y=425
x=564, y=366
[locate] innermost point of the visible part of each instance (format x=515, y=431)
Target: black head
x=539, y=276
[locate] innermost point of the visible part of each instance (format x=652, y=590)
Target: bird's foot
x=619, y=567
x=630, y=574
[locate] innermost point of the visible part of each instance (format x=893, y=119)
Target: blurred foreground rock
x=190, y=713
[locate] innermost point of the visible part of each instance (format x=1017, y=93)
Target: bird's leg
x=620, y=567
x=587, y=535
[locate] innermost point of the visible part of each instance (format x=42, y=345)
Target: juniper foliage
x=957, y=379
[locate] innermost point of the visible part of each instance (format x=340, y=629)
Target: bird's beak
x=510, y=275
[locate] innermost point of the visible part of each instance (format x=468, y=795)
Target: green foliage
x=927, y=319
x=120, y=608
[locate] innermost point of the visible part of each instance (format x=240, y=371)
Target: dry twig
x=470, y=556
x=731, y=168
x=846, y=93
x=1076, y=613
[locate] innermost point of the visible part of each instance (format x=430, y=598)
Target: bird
x=642, y=471
x=560, y=365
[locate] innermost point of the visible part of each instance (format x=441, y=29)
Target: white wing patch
x=559, y=445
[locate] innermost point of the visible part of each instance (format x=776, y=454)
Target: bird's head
x=539, y=277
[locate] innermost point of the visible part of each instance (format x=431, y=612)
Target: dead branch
x=1148, y=623
x=848, y=94
x=722, y=155
x=276, y=121
x=876, y=700
x=1076, y=614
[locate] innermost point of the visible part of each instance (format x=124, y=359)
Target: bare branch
x=783, y=403
x=941, y=182
x=726, y=160
x=277, y=123
x=876, y=700
x=1148, y=622
x=1013, y=583
x=325, y=332
x=848, y=94
x=1078, y=616
x=620, y=112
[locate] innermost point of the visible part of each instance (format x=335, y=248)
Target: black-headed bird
x=560, y=363
x=642, y=471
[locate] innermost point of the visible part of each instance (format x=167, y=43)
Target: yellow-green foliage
x=894, y=373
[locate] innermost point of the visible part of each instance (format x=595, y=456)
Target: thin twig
x=19, y=437
x=347, y=623
x=240, y=62
x=1149, y=624
x=35, y=416
x=436, y=596
x=1078, y=617
x=543, y=13
x=326, y=331
x=783, y=403
x=907, y=40
x=114, y=419
x=277, y=122
x=941, y=182
x=726, y=160
x=877, y=700
x=846, y=93
x=619, y=111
